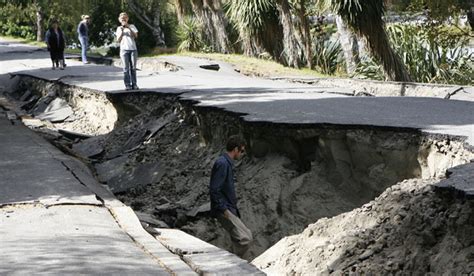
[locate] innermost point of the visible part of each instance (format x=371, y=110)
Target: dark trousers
x=57, y=56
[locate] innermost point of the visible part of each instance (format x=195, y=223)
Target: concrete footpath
x=56, y=219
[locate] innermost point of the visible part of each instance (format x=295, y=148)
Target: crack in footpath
x=137, y=243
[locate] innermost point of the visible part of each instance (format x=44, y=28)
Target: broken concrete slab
x=84, y=175
x=155, y=126
x=220, y=263
x=460, y=180
x=30, y=103
x=130, y=223
x=33, y=123
x=49, y=134
x=73, y=135
x=150, y=220
x=204, y=258
x=90, y=147
x=134, y=177
x=25, y=95
x=214, y=67
x=134, y=141
x=204, y=208
x=41, y=105
x=111, y=168
x=57, y=111
x=182, y=243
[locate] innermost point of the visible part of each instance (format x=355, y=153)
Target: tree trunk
x=365, y=17
x=349, y=45
x=39, y=23
x=305, y=34
x=209, y=13
x=205, y=20
x=219, y=24
x=291, y=46
x=251, y=44
x=152, y=23
x=180, y=10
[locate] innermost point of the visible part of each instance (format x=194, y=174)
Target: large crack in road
x=155, y=151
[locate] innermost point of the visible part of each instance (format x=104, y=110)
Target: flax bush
x=432, y=54
x=190, y=35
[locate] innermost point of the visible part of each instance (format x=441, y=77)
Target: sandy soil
x=409, y=229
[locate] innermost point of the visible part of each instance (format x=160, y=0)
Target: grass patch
x=24, y=41
x=95, y=52
x=256, y=67
x=249, y=66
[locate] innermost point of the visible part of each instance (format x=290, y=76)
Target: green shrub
x=190, y=35
x=430, y=53
x=327, y=56
x=17, y=21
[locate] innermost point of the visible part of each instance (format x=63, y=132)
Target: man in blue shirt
x=223, y=197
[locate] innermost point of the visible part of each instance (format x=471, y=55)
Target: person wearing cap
x=56, y=42
x=83, y=35
x=126, y=36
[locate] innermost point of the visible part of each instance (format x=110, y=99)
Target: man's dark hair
x=235, y=141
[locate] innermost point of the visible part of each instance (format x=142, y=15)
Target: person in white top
x=126, y=35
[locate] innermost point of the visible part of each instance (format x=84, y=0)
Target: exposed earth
x=306, y=190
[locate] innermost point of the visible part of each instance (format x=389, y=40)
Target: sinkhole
x=155, y=152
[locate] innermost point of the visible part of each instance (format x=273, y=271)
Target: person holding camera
x=126, y=35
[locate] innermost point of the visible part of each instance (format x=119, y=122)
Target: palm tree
x=211, y=16
x=150, y=16
x=39, y=19
x=180, y=7
x=292, y=48
x=349, y=45
x=365, y=17
x=257, y=24
x=304, y=29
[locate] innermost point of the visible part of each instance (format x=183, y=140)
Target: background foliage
x=428, y=39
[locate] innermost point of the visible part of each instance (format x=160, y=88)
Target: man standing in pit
x=224, y=199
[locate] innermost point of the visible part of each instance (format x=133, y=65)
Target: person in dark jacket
x=224, y=199
x=56, y=42
x=83, y=35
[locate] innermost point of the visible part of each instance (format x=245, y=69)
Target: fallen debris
x=214, y=67
x=57, y=111
x=460, y=180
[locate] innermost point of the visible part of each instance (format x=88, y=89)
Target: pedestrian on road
x=56, y=42
x=83, y=35
x=224, y=199
x=126, y=36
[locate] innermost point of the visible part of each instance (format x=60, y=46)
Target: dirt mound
x=410, y=228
